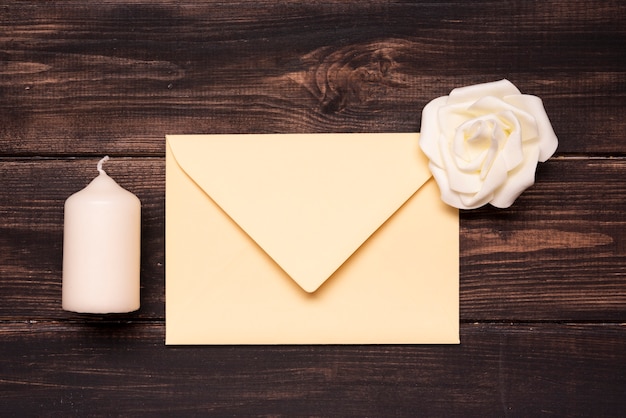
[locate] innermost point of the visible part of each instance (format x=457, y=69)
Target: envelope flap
x=308, y=200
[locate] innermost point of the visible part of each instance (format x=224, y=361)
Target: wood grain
x=500, y=370
x=113, y=77
x=543, y=289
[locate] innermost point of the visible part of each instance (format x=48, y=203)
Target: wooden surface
x=543, y=284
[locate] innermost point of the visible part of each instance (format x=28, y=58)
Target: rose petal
x=458, y=180
x=493, y=104
x=470, y=202
x=469, y=152
x=429, y=135
x=512, y=152
x=548, y=141
x=450, y=117
x=472, y=93
x=449, y=196
x=518, y=180
x=496, y=177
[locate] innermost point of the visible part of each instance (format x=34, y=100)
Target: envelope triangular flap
x=309, y=200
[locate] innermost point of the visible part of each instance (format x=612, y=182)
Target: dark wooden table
x=543, y=283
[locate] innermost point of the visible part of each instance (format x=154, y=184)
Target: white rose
x=484, y=142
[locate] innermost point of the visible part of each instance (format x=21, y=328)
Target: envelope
x=307, y=239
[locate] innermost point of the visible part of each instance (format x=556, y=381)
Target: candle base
x=91, y=310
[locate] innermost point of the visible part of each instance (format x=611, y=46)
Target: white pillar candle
x=101, y=248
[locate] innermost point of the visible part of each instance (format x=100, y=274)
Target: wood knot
x=352, y=75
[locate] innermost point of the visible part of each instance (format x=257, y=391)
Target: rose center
x=478, y=141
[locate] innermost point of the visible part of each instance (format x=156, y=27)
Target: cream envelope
x=307, y=239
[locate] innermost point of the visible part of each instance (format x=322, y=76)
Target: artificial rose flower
x=484, y=142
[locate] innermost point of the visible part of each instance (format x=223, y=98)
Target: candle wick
x=102, y=161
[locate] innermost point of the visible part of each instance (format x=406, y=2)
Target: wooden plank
x=112, y=77
x=558, y=254
x=124, y=369
x=559, y=251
